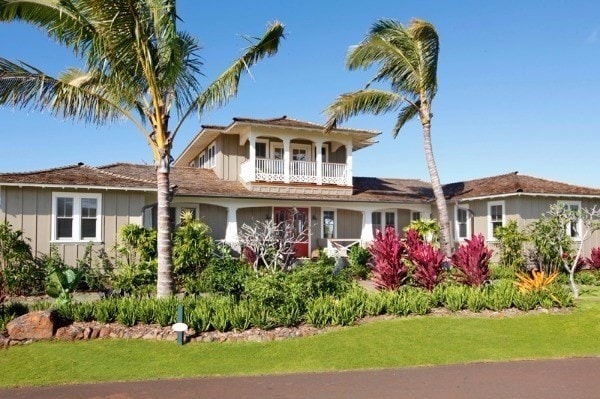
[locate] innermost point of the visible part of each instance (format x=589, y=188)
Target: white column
x=231, y=232
x=252, y=142
x=286, y=160
x=366, y=234
x=349, y=164
x=319, y=153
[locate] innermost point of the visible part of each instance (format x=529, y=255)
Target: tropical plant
x=428, y=261
x=359, y=259
x=593, y=262
x=20, y=273
x=510, y=242
x=63, y=283
x=428, y=229
x=193, y=247
x=407, y=59
x=137, y=66
x=388, y=257
x=535, y=281
x=471, y=261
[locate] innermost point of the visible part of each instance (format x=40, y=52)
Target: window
x=377, y=218
x=201, y=160
x=329, y=224
x=324, y=153
x=463, y=227
x=260, y=149
x=414, y=216
x=211, y=155
x=495, y=218
x=76, y=217
x=573, y=229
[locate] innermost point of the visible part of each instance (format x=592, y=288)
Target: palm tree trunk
x=440, y=201
x=164, y=284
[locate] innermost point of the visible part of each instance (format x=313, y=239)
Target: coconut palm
x=407, y=59
x=138, y=66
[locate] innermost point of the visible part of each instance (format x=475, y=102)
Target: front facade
x=266, y=169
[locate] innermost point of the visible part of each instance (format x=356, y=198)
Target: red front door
x=297, y=220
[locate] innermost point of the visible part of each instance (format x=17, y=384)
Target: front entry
x=296, y=219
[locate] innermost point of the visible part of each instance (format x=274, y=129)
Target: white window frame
x=274, y=146
x=77, y=197
x=569, y=204
x=383, y=213
x=468, y=222
x=211, y=159
x=335, y=221
x=201, y=159
x=489, y=217
x=416, y=215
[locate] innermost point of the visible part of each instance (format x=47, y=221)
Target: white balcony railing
x=273, y=170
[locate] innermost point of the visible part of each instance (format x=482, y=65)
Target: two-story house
x=266, y=169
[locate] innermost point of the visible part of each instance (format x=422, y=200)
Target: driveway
x=566, y=378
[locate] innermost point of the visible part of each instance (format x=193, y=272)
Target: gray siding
x=30, y=210
x=315, y=229
x=231, y=155
x=349, y=223
x=250, y=215
x=403, y=220
x=338, y=156
x=216, y=218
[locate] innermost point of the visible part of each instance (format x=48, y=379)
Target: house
x=265, y=169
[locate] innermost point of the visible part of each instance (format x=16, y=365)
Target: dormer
x=278, y=154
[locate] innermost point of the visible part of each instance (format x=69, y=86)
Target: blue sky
x=519, y=86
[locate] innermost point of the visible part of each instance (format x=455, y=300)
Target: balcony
x=274, y=170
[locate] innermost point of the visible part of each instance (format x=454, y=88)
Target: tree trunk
x=440, y=201
x=164, y=283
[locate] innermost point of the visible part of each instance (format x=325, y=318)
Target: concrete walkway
x=548, y=379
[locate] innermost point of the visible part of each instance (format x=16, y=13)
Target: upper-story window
x=211, y=156
x=201, y=160
x=76, y=217
x=463, y=227
x=495, y=218
x=573, y=228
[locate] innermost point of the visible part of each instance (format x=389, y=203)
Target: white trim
x=579, y=221
x=211, y=161
x=483, y=197
x=335, y=222
x=457, y=236
x=77, y=197
x=413, y=213
x=490, y=236
x=63, y=186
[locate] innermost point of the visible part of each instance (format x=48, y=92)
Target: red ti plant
x=471, y=261
x=388, y=256
x=593, y=262
x=427, y=260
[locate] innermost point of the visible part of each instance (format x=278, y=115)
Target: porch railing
x=273, y=170
x=340, y=246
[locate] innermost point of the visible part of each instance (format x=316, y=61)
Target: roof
x=513, y=183
x=205, y=183
x=296, y=123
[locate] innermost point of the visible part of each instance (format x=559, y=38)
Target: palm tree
x=407, y=59
x=138, y=66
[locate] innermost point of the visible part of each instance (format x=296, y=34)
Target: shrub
x=225, y=275
x=593, y=262
x=585, y=277
x=427, y=260
x=375, y=304
x=471, y=261
x=166, y=311
x=359, y=259
x=501, y=272
x=510, y=242
x=499, y=295
x=105, y=311
x=526, y=300
x=83, y=311
x=96, y=269
x=127, y=311
x=427, y=229
x=136, y=279
x=192, y=248
x=199, y=316
x=548, y=237
x=320, y=311
x=455, y=297
x=317, y=278
x=388, y=252
x=476, y=299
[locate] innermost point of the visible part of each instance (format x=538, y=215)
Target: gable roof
x=514, y=183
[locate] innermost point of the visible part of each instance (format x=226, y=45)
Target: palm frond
x=219, y=92
x=76, y=95
x=428, y=42
x=370, y=101
x=406, y=113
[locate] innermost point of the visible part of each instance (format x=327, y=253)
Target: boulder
x=33, y=325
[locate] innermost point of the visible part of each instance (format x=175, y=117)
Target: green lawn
x=402, y=342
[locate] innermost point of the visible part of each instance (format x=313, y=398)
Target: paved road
x=568, y=378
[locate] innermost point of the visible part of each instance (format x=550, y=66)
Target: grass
x=402, y=342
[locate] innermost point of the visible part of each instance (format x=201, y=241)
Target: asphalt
x=548, y=379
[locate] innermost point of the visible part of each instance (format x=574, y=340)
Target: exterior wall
x=338, y=156
x=349, y=223
x=230, y=156
x=216, y=218
x=316, y=240
x=30, y=210
x=403, y=216
x=251, y=215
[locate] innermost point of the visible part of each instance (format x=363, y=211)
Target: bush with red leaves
x=388, y=260
x=593, y=262
x=471, y=261
x=427, y=260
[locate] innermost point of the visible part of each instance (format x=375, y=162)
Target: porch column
x=286, y=160
x=319, y=153
x=366, y=234
x=231, y=232
x=252, y=142
x=349, y=164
